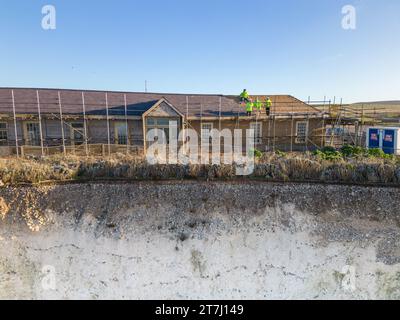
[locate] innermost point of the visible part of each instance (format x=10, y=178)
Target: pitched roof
x=287, y=104
x=138, y=103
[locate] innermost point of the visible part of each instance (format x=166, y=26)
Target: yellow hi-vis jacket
x=268, y=104
x=258, y=104
x=249, y=106
x=244, y=95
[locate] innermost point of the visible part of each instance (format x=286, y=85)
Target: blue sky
x=205, y=46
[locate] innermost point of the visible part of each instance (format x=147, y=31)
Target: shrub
x=280, y=153
x=328, y=149
x=353, y=151
x=329, y=154
x=379, y=153
x=257, y=153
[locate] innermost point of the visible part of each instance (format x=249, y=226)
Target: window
x=151, y=121
x=206, y=131
x=161, y=124
x=301, y=132
x=257, y=127
x=77, y=132
x=33, y=133
x=121, y=133
x=3, y=132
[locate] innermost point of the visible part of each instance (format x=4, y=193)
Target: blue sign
x=388, y=142
x=374, y=138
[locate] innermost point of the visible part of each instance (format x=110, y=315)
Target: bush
x=378, y=153
x=328, y=149
x=329, y=154
x=257, y=153
x=353, y=151
x=349, y=151
x=280, y=153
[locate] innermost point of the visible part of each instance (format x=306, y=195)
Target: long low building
x=51, y=118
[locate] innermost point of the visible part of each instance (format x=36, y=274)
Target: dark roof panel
x=136, y=109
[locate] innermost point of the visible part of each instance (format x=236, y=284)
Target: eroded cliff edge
x=222, y=240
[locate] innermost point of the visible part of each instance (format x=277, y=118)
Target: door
x=206, y=133
x=77, y=133
x=373, y=139
x=121, y=133
x=257, y=127
x=388, y=141
x=33, y=133
x=3, y=134
x=301, y=132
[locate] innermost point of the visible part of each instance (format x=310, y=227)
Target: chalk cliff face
x=184, y=240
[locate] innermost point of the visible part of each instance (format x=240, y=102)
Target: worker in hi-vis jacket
x=268, y=105
x=258, y=104
x=244, y=96
x=249, y=107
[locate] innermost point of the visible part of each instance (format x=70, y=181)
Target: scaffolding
x=329, y=123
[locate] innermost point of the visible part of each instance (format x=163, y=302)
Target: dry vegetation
x=269, y=166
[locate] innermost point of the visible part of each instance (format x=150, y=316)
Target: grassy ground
x=325, y=166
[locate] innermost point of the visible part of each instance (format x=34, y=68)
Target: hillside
x=370, y=112
x=388, y=103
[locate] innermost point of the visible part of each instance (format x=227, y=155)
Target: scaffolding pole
x=40, y=122
x=126, y=124
x=323, y=133
x=323, y=126
x=201, y=130
x=269, y=134
x=362, y=125
x=307, y=131
x=343, y=127
x=62, y=123
x=274, y=124
x=291, y=134
x=15, y=124
x=108, y=127
x=257, y=114
x=185, y=127
x=85, y=124
x=187, y=112
x=237, y=125
x=220, y=114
